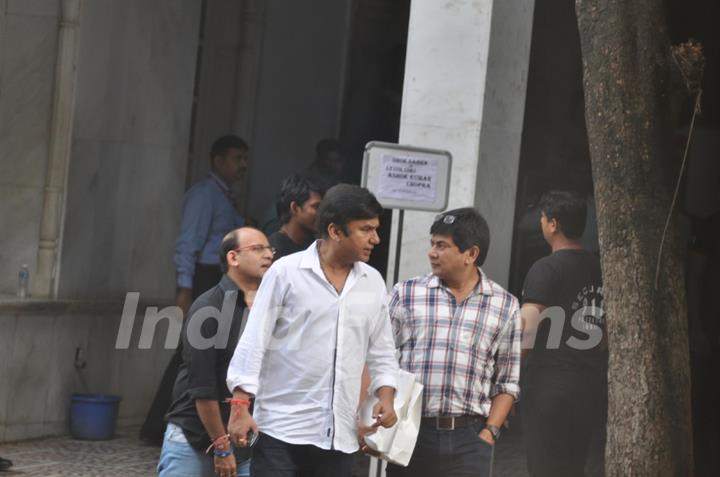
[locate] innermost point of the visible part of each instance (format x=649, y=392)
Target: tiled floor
x=126, y=456
x=123, y=456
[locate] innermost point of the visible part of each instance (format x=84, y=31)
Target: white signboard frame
x=407, y=177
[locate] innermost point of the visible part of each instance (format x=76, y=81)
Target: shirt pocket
x=474, y=338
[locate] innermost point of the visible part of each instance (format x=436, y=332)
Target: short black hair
x=467, y=227
x=229, y=242
x=568, y=208
x=222, y=144
x=344, y=203
x=296, y=188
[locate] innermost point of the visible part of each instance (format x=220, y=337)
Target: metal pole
x=396, y=271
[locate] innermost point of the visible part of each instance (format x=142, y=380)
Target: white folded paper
x=396, y=444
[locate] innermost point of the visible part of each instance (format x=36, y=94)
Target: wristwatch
x=494, y=430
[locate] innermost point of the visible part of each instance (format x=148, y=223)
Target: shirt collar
x=483, y=286
x=227, y=285
x=310, y=257
x=311, y=260
x=223, y=186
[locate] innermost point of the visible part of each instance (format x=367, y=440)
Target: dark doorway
x=554, y=152
x=371, y=112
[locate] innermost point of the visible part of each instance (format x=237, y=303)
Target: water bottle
x=24, y=282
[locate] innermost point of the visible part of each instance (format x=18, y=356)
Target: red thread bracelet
x=238, y=402
x=215, y=442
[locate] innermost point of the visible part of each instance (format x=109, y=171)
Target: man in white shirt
x=319, y=316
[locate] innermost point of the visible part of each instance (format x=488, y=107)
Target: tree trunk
x=630, y=119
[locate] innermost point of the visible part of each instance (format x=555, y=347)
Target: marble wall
x=464, y=91
x=37, y=365
x=28, y=48
x=226, y=82
x=135, y=78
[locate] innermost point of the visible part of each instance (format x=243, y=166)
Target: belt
x=450, y=423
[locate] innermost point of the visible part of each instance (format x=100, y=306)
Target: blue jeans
x=457, y=453
x=179, y=459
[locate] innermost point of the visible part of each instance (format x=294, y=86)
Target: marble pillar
x=250, y=46
x=464, y=91
x=61, y=125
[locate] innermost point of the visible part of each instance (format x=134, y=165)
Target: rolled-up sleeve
x=194, y=232
x=381, y=352
x=507, y=359
x=397, y=312
x=246, y=363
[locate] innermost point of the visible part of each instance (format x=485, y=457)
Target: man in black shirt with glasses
x=198, y=415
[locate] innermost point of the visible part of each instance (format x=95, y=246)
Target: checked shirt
x=463, y=353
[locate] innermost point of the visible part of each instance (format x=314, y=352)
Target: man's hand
x=225, y=466
x=487, y=436
x=184, y=299
x=384, y=414
x=384, y=410
x=363, y=431
x=240, y=424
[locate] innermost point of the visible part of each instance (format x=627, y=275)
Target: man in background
x=329, y=165
x=297, y=208
x=564, y=381
x=325, y=171
x=208, y=214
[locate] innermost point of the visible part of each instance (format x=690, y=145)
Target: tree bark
x=628, y=81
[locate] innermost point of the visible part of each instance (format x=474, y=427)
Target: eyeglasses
x=445, y=218
x=257, y=249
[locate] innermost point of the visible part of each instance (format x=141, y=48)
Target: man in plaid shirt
x=460, y=334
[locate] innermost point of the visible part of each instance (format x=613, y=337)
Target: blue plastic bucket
x=93, y=416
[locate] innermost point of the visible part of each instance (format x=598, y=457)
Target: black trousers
x=153, y=429
x=564, y=415
x=275, y=458
x=456, y=453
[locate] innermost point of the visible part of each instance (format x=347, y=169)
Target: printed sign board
x=407, y=177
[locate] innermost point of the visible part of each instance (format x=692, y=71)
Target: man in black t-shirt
x=565, y=376
x=199, y=414
x=297, y=208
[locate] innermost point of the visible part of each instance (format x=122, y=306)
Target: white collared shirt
x=304, y=348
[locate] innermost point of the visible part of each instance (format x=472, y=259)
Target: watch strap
x=494, y=430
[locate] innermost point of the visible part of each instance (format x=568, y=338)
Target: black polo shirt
x=209, y=338
x=571, y=280
x=284, y=245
